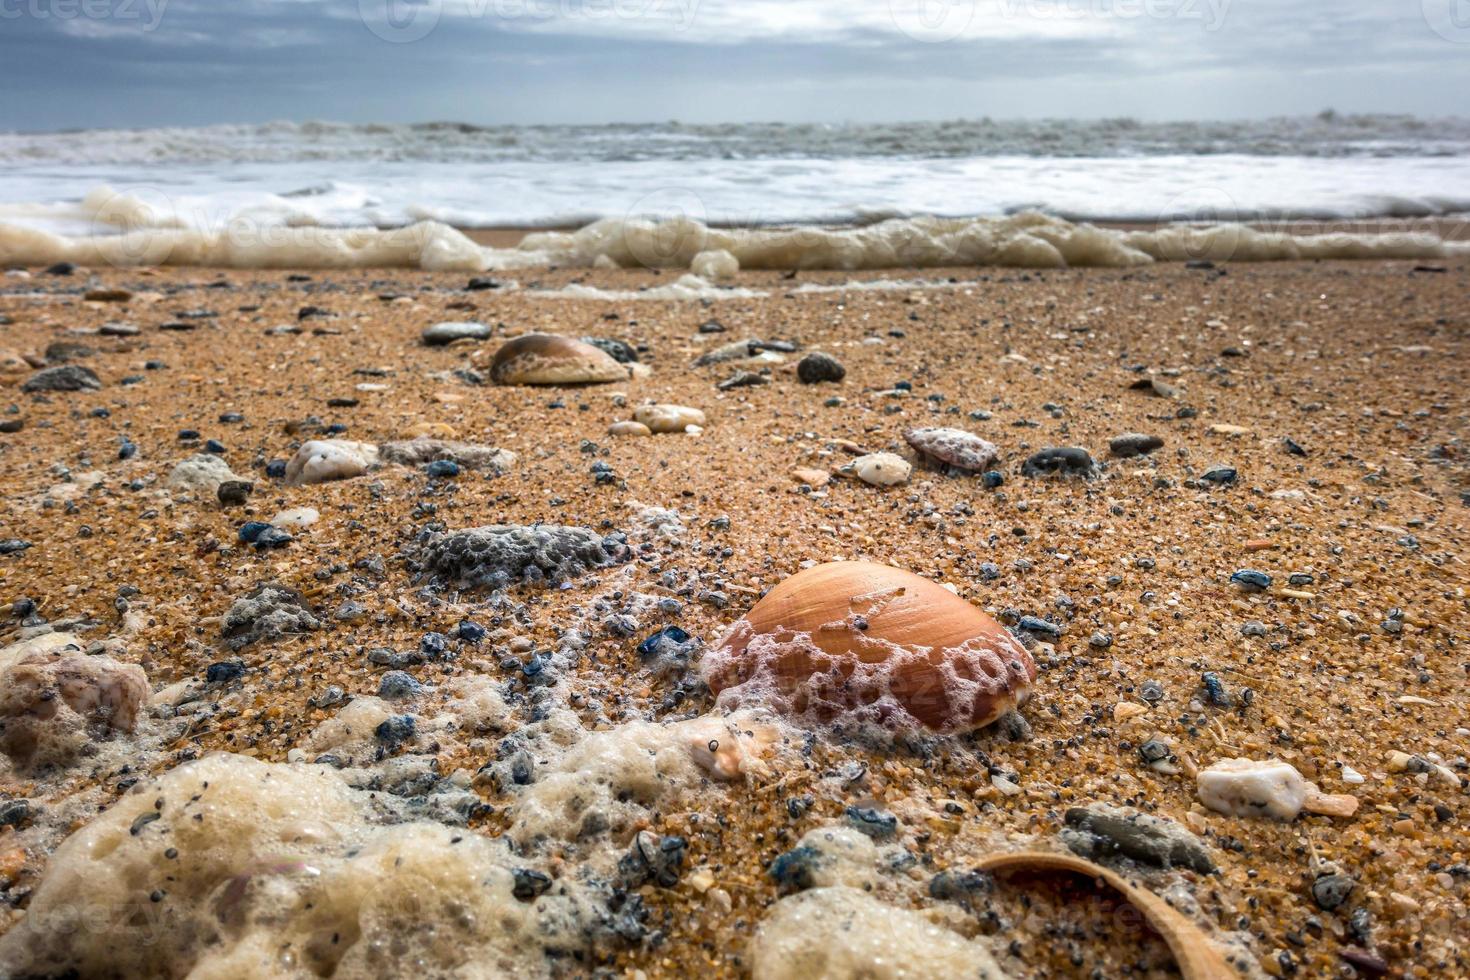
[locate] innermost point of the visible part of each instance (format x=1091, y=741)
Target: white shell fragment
x=882, y=469
x=322, y=460
x=1247, y=788
x=668, y=418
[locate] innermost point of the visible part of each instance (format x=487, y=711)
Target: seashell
x=856, y=639
x=546, y=359
x=668, y=418
x=1196, y=956
x=954, y=447
x=881, y=469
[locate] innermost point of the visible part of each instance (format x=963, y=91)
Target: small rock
x=398, y=685
x=812, y=478
x=1134, y=444
x=1155, y=387
x=1251, y=580
x=267, y=613
x=629, y=429
x=441, y=334
x=743, y=379
x=68, y=377
x=668, y=418
x=296, y=518
x=322, y=460
x=817, y=367
x=1332, y=890
x=234, y=493
x=1067, y=461
x=955, y=448
x=1100, y=831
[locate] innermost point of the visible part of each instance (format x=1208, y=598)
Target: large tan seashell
x=872, y=642
x=1196, y=956
x=546, y=359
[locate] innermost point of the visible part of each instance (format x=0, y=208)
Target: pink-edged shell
x=861, y=640
x=954, y=447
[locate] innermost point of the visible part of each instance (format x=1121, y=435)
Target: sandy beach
x=1336, y=391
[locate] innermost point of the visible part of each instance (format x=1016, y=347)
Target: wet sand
x=1362, y=365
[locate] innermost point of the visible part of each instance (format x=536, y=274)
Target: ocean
x=249, y=180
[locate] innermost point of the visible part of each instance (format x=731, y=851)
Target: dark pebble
x=1330, y=891
x=1134, y=444
x=817, y=367
x=1251, y=580
x=233, y=493
x=1067, y=461
x=224, y=671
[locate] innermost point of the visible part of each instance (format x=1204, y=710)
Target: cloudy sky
x=79, y=63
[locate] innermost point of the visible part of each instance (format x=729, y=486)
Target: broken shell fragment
x=856, y=640
x=546, y=359
x=1247, y=788
x=953, y=447
x=881, y=469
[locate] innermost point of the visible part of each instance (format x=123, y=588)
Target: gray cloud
x=159, y=62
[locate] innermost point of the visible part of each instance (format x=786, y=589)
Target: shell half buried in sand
x=546, y=359
x=866, y=642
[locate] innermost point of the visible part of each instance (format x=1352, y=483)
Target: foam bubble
x=842, y=932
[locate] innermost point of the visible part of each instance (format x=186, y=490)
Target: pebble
x=955, y=448
x=618, y=350
x=872, y=822
x=629, y=428
x=1066, y=461
x=442, y=469
x=296, y=518
x=668, y=418
x=68, y=377
x=323, y=460
x=234, y=493
x=1155, y=387
x=1134, y=444
x=743, y=379
x=1222, y=476
x=817, y=367
x=1331, y=891
x=1099, y=832
x=441, y=334
x=812, y=478
x=1224, y=429
x=881, y=469
x=398, y=685
x=1251, y=580
x=224, y=671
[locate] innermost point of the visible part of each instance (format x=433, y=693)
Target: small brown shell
x=955, y=447
x=861, y=640
x=546, y=359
